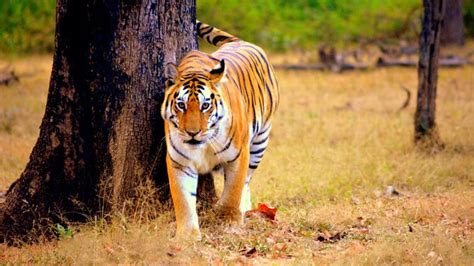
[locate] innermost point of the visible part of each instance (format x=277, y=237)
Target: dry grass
x=338, y=142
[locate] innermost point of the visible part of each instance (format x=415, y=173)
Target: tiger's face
x=193, y=105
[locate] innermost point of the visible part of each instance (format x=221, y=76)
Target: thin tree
x=452, y=30
x=101, y=138
x=425, y=125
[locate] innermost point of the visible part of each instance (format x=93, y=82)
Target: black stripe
x=175, y=162
x=253, y=166
x=260, y=142
x=206, y=31
x=174, y=147
x=235, y=157
x=219, y=39
x=258, y=151
x=264, y=131
x=181, y=167
x=257, y=156
x=189, y=174
x=174, y=124
x=193, y=194
x=226, y=146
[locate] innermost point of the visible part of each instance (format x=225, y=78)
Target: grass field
x=338, y=142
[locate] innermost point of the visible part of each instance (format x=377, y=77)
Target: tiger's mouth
x=194, y=141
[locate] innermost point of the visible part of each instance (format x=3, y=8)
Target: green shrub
x=469, y=17
x=28, y=25
x=281, y=24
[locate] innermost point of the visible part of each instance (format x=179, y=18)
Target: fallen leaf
x=173, y=250
x=432, y=254
x=280, y=247
x=338, y=236
x=391, y=191
x=325, y=236
x=249, y=252
x=109, y=249
x=355, y=201
x=262, y=210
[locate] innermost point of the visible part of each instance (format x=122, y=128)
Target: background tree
x=101, y=138
x=425, y=125
x=452, y=29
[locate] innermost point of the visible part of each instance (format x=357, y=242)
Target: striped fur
x=218, y=110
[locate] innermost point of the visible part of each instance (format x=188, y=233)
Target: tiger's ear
x=170, y=75
x=218, y=72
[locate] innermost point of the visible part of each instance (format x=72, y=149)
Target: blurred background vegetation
x=27, y=26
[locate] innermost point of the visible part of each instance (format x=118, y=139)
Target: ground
x=338, y=143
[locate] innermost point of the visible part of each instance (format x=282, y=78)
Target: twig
x=407, y=100
x=320, y=67
x=452, y=61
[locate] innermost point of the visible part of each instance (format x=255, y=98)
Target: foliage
x=469, y=17
x=28, y=26
x=62, y=232
x=280, y=24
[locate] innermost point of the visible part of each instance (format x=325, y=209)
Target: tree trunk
x=425, y=126
x=101, y=138
x=452, y=30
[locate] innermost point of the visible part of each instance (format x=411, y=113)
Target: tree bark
x=452, y=29
x=425, y=125
x=101, y=138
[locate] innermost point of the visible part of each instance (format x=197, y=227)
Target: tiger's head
x=193, y=105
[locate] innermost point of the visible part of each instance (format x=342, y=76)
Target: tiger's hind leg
x=257, y=150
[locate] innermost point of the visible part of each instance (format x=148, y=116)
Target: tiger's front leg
x=235, y=178
x=183, y=184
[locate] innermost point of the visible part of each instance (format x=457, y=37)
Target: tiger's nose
x=193, y=133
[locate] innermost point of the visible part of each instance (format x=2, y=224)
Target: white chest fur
x=203, y=158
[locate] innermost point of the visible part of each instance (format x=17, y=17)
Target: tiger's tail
x=213, y=35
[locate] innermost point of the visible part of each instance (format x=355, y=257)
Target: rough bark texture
x=452, y=30
x=425, y=126
x=102, y=135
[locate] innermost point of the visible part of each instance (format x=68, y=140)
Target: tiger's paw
x=230, y=215
x=187, y=235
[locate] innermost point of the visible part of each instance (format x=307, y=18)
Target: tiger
x=218, y=111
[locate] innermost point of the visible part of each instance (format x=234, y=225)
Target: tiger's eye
x=205, y=106
x=181, y=105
